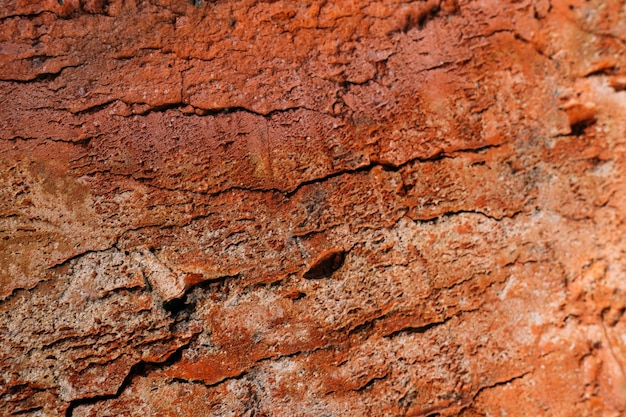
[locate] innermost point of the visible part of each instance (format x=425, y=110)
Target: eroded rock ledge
x=312, y=208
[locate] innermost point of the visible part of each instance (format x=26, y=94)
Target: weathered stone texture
x=312, y=208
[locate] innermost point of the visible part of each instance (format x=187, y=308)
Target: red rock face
x=317, y=208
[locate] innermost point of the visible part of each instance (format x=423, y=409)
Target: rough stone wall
x=312, y=208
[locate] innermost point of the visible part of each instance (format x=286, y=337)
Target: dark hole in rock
x=325, y=265
x=175, y=306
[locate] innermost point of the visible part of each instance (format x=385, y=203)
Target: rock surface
x=312, y=209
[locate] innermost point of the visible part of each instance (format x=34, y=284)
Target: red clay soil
x=313, y=208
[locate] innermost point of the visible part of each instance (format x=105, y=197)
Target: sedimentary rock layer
x=312, y=209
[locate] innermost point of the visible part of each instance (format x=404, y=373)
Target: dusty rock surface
x=312, y=208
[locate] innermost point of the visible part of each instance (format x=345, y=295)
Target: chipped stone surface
x=324, y=208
